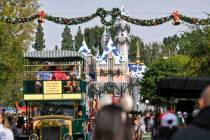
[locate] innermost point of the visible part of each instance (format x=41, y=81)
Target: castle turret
x=122, y=38
x=138, y=56
x=105, y=37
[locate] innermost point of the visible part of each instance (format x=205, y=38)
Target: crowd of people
x=111, y=124
x=58, y=73
x=11, y=128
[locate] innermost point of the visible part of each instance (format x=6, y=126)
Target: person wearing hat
x=200, y=127
x=169, y=125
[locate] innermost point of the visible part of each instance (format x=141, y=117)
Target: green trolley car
x=54, y=93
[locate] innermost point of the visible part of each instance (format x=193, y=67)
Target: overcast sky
x=144, y=9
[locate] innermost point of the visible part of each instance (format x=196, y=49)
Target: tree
x=113, y=31
x=93, y=38
x=196, y=44
x=14, y=40
x=170, y=46
x=133, y=48
x=176, y=66
x=39, y=44
x=67, y=42
x=78, y=39
x=151, y=52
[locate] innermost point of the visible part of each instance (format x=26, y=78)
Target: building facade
x=113, y=72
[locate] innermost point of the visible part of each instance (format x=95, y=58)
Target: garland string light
x=103, y=14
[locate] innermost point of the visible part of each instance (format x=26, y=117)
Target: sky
x=142, y=9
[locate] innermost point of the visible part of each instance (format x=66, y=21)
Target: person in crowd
x=188, y=118
x=169, y=125
x=71, y=72
x=181, y=120
x=79, y=112
x=147, y=120
x=43, y=74
x=20, y=124
x=137, y=129
x=5, y=131
x=90, y=127
x=112, y=124
x=200, y=127
x=155, y=127
x=58, y=74
x=12, y=124
x=136, y=134
x=71, y=87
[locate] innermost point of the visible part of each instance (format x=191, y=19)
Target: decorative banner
x=103, y=14
x=52, y=87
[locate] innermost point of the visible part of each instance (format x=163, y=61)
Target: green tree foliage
x=176, y=66
x=93, y=37
x=193, y=59
x=170, y=46
x=196, y=44
x=39, y=44
x=67, y=42
x=78, y=39
x=14, y=39
x=113, y=31
x=133, y=48
x=151, y=52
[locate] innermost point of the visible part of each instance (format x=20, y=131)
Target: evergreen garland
x=102, y=14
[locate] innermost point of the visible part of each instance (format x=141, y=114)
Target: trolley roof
x=54, y=55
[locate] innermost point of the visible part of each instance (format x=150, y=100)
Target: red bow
x=41, y=15
x=176, y=17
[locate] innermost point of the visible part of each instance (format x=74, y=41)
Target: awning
x=182, y=87
x=54, y=55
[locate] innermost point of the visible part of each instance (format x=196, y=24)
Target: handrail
x=55, y=65
x=67, y=86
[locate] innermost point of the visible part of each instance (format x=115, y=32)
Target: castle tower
x=138, y=56
x=122, y=38
x=105, y=37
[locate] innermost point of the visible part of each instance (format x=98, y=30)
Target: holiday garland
x=151, y=22
x=102, y=14
x=195, y=20
x=11, y=20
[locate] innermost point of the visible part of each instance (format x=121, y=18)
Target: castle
x=113, y=71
